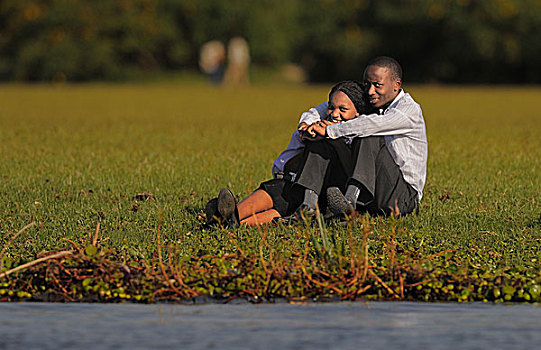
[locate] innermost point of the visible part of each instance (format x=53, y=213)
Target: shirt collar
x=401, y=94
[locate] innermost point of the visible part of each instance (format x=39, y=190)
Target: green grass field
x=75, y=155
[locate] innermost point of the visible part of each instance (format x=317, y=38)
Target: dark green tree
x=451, y=41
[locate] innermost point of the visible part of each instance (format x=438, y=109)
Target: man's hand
x=302, y=126
x=316, y=131
x=319, y=128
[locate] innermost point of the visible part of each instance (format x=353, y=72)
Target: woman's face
x=341, y=108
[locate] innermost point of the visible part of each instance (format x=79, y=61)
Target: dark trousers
x=365, y=163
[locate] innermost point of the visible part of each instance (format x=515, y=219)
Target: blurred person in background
x=238, y=62
x=212, y=60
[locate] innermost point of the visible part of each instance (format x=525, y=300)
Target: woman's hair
x=356, y=92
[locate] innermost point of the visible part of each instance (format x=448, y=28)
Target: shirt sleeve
x=394, y=122
x=294, y=147
x=314, y=114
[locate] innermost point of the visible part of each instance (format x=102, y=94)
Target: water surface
x=358, y=325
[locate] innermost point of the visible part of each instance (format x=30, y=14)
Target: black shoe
x=227, y=208
x=337, y=203
x=211, y=212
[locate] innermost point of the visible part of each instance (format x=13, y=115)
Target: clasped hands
x=314, y=132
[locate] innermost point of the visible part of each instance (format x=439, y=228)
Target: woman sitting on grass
x=278, y=197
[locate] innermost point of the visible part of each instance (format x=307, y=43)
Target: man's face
x=341, y=108
x=382, y=89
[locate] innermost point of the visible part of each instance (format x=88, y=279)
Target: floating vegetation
x=320, y=270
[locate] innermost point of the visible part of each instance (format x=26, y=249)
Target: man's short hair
x=389, y=63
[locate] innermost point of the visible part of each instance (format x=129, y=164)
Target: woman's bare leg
x=257, y=202
x=261, y=218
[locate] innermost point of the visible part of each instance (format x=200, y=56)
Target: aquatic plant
x=319, y=269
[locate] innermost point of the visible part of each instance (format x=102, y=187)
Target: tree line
x=444, y=41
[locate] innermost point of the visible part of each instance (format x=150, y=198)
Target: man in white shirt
x=388, y=152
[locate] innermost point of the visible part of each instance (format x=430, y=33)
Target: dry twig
x=37, y=261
